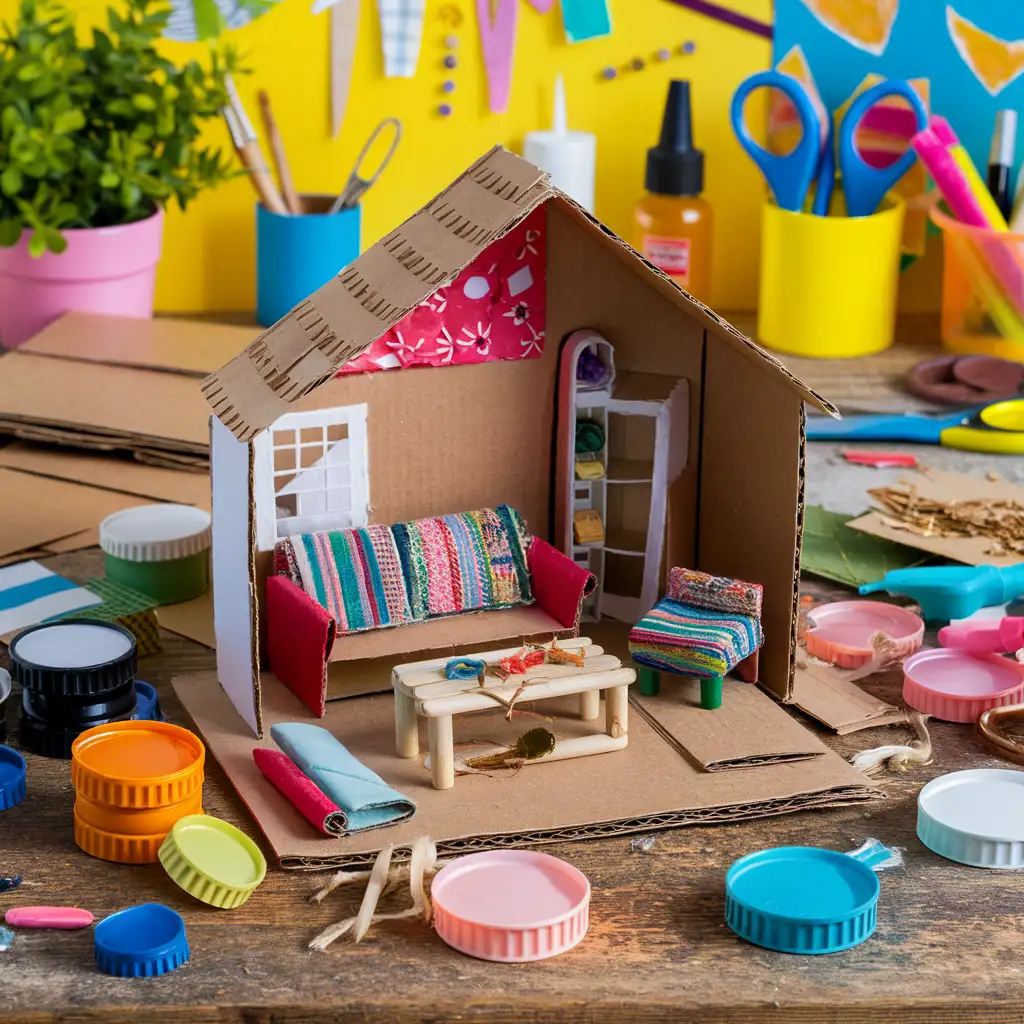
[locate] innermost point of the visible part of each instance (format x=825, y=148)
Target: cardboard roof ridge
x=369, y=296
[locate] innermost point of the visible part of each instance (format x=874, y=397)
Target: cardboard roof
x=344, y=317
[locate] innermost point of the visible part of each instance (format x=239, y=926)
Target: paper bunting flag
x=498, y=42
x=995, y=62
x=866, y=24
x=401, y=32
x=586, y=19
x=192, y=21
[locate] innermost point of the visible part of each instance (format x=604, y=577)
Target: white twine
x=898, y=758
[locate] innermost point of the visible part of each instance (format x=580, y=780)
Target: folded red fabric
x=300, y=791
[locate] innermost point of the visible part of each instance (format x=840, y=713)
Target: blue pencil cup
x=296, y=254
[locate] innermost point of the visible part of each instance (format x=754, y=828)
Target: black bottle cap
x=674, y=166
x=63, y=712
x=54, y=739
x=73, y=659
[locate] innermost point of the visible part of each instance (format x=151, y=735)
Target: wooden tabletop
x=948, y=946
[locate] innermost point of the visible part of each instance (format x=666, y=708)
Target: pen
x=1001, y=159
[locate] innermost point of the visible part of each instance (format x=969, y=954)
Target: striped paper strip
x=31, y=593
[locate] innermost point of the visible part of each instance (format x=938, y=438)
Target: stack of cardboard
x=118, y=385
x=118, y=406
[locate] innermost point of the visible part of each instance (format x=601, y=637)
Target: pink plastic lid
x=48, y=917
x=511, y=906
x=840, y=633
x=958, y=687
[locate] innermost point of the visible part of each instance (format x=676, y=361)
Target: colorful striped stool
x=702, y=640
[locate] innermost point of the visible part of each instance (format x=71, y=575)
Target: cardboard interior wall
x=454, y=438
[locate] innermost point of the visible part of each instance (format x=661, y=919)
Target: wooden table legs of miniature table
x=422, y=691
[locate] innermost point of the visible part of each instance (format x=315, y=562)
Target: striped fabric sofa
x=343, y=606
x=705, y=626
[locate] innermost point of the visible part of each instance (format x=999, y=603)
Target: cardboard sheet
x=113, y=474
x=192, y=619
x=946, y=487
x=823, y=693
x=182, y=346
x=38, y=510
x=645, y=787
x=753, y=731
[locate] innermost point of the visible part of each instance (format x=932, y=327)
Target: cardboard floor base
x=822, y=692
x=646, y=787
x=753, y=730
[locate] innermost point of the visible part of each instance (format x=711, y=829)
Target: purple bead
x=451, y=61
x=448, y=86
x=688, y=47
x=609, y=73
x=445, y=110
x=451, y=42
x=663, y=54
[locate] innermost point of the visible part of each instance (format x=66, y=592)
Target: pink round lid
x=511, y=906
x=840, y=633
x=958, y=687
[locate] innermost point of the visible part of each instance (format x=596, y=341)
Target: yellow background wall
x=209, y=252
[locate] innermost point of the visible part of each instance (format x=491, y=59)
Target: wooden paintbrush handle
x=277, y=151
x=253, y=161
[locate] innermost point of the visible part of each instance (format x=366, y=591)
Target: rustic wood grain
x=948, y=944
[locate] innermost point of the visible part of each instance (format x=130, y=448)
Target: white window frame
x=358, y=463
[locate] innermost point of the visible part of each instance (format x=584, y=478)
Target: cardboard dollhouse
x=428, y=378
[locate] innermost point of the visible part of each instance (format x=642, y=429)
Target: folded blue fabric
x=364, y=798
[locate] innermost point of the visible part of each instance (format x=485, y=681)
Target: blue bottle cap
x=801, y=899
x=148, y=707
x=12, y=778
x=141, y=942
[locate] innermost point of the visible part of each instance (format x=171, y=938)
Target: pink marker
x=66, y=918
x=985, y=636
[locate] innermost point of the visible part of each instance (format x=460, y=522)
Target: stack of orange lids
x=133, y=781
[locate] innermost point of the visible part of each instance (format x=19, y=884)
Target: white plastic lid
x=156, y=533
x=974, y=817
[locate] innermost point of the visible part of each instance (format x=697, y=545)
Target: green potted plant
x=95, y=138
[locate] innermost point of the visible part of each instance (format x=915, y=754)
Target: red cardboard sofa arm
x=300, y=636
x=559, y=584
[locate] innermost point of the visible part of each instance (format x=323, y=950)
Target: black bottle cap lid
x=73, y=659
x=674, y=166
x=54, y=739
x=85, y=712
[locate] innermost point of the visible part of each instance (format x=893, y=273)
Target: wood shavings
x=999, y=520
x=897, y=758
x=422, y=867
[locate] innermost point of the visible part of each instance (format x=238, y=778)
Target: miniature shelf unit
x=643, y=419
x=423, y=691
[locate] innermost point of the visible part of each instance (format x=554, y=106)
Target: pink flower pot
x=103, y=270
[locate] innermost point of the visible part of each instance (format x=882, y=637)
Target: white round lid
x=156, y=533
x=72, y=645
x=974, y=817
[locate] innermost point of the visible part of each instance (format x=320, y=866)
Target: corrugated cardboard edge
x=821, y=692
x=345, y=316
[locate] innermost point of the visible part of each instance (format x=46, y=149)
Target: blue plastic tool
x=814, y=158
x=802, y=899
x=141, y=942
x=12, y=778
x=947, y=592
x=996, y=428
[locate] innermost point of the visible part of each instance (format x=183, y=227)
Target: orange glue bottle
x=672, y=223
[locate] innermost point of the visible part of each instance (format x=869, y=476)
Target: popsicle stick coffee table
x=422, y=691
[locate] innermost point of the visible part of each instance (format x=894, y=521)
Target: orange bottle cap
x=137, y=764
x=128, y=837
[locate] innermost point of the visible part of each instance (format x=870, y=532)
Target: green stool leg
x=650, y=682
x=711, y=693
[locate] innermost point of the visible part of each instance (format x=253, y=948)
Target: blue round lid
x=12, y=778
x=141, y=942
x=801, y=899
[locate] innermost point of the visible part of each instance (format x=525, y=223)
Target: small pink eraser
x=48, y=917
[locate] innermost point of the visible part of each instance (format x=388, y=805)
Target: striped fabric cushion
x=380, y=576
x=691, y=641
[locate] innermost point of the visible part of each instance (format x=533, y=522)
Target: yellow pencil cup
x=829, y=284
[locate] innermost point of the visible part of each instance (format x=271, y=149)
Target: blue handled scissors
x=790, y=177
